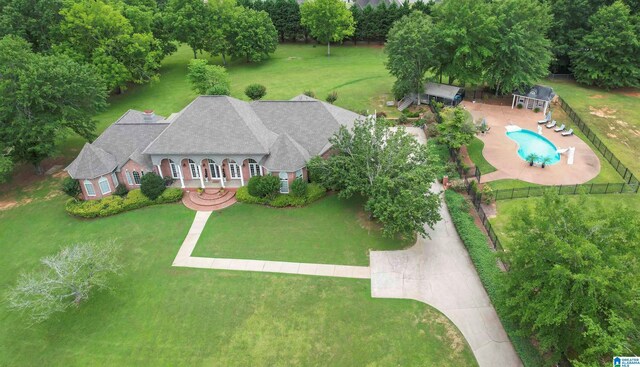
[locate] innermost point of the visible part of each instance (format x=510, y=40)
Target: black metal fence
x=590, y=189
x=622, y=170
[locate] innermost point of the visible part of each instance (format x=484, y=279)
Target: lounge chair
x=567, y=133
x=551, y=124
x=540, y=122
x=558, y=129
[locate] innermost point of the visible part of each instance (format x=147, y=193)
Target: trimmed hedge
x=484, y=260
x=314, y=192
x=115, y=204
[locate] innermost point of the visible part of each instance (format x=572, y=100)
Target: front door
x=195, y=170
x=215, y=170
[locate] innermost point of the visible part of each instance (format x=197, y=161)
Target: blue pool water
x=531, y=142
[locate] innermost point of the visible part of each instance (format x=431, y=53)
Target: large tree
x=43, y=97
x=252, y=35
x=522, y=53
x=574, y=278
x=457, y=128
x=608, y=55
x=191, y=23
x=467, y=34
x=389, y=168
x=97, y=33
x=66, y=280
x=410, y=49
x=34, y=20
x=327, y=20
x=208, y=79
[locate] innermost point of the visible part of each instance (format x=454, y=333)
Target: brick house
x=216, y=141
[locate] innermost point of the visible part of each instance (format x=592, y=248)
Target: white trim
x=173, y=167
x=214, y=169
x=284, y=180
x=194, y=170
x=88, y=187
x=139, y=180
x=127, y=174
x=254, y=166
x=102, y=189
x=181, y=175
x=114, y=178
x=160, y=171
x=234, y=174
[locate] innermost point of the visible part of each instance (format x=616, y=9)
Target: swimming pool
x=531, y=142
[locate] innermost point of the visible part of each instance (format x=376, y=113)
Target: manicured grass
x=157, y=315
x=356, y=73
x=475, y=153
x=508, y=208
x=330, y=231
x=613, y=115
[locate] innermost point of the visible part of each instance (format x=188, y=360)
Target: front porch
x=210, y=184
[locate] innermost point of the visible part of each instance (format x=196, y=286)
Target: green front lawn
x=356, y=73
x=158, y=315
x=474, y=149
x=330, y=231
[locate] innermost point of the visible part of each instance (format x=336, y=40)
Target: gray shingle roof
x=285, y=154
x=308, y=121
x=91, y=163
x=123, y=140
x=214, y=124
x=538, y=92
x=441, y=90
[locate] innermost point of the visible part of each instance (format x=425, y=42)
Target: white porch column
x=179, y=165
x=222, y=173
x=241, y=174
x=513, y=103
x=159, y=170
x=546, y=105
x=201, y=179
x=261, y=171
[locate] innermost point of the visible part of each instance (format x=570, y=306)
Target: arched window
x=213, y=168
x=284, y=182
x=136, y=177
x=105, y=188
x=299, y=174
x=88, y=187
x=114, y=178
x=254, y=168
x=174, y=169
x=129, y=179
x=234, y=169
x=195, y=169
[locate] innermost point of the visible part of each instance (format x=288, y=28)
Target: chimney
x=148, y=116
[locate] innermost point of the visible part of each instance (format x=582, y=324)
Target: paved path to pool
x=439, y=272
x=501, y=151
x=184, y=259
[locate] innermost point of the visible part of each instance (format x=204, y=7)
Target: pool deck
x=501, y=151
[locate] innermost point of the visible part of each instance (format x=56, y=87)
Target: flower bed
x=115, y=204
x=314, y=192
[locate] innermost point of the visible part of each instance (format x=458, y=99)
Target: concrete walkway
x=439, y=272
x=184, y=259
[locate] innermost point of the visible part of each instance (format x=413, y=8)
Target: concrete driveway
x=439, y=272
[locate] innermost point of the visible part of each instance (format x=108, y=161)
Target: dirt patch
x=597, y=96
x=622, y=123
x=612, y=135
x=366, y=223
x=604, y=112
x=456, y=341
x=630, y=92
x=24, y=174
x=635, y=132
x=8, y=204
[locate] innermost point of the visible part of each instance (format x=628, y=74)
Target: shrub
x=314, y=192
x=299, y=187
x=536, y=110
x=332, y=97
x=419, y=123
x=519, y=106
x=381, y=114
x=255, y=91
x=309, y=93
x=487, y=194
x=263, y=186
x=168, y=181
x=457, y=185
x=152, y=185
x=121, y=190
x=70, y=187
x=402, y=119
x=484, y=260
x=474, y=186
x=115, y=204
x=432, y=130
